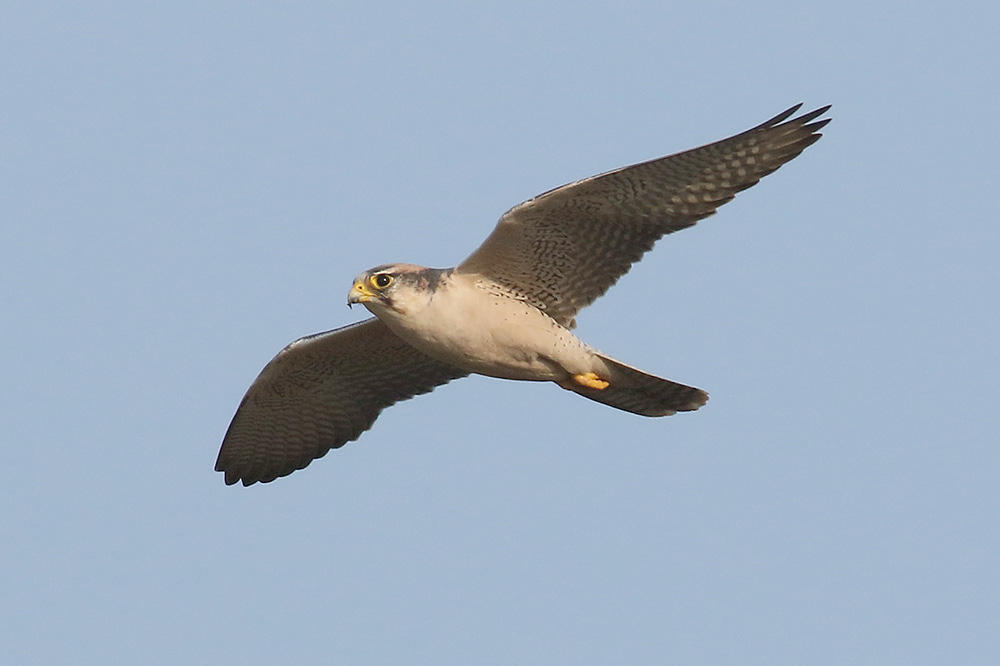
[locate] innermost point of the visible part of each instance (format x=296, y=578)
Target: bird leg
x=588, y=379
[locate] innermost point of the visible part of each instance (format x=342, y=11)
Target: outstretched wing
x=563, y=249
x=319, y=393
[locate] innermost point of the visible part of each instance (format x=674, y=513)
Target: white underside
x=478, y=330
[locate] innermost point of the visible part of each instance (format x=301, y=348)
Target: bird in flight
x=507, y=311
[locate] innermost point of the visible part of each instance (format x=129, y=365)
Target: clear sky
x=186, y=187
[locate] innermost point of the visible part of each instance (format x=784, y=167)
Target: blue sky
x=186, y=187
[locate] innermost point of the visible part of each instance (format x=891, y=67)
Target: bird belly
x=496, y=336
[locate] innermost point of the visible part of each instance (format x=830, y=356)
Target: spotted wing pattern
x=319, y=393
x=565, y=248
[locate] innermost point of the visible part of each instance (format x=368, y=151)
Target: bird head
x=396, y=287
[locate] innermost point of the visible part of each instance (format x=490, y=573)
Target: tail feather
x=638, y=392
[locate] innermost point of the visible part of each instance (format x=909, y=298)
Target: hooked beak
x=359, y=293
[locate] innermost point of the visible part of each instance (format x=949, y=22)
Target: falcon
x=507, y=311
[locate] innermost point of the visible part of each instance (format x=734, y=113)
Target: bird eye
x=382, y=280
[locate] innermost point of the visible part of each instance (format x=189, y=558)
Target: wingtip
x=802, y=120
x=233, y=477
x=230, y=476
x=783, y=116
x=813, y=115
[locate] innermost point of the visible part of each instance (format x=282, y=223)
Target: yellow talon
x=591, y=380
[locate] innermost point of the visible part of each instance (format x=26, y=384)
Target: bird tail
x=638, y=392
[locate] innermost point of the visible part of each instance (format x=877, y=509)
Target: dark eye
x=382, y=280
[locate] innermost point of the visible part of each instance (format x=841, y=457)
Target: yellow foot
x=590, y=380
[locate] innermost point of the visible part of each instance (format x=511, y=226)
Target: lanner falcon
x=507, y=311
